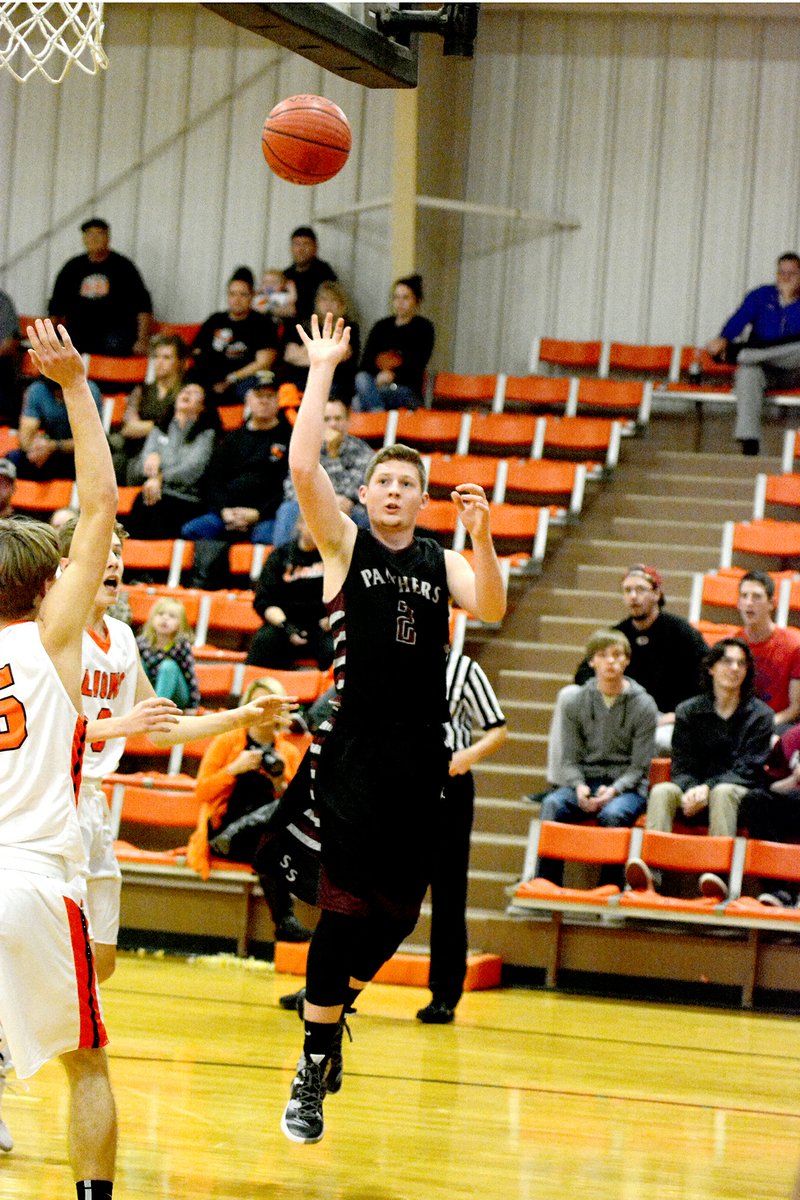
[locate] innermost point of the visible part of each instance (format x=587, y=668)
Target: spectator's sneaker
x=290, y=930
x=294, y=1002
x=713, y=887
x=302, y=1119
x=779, y=899
x=333, y=1080
x=638, y=876
x=436, y=1013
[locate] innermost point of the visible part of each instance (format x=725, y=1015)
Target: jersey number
x=13, y=724
x=103, y=715
x=405, y=623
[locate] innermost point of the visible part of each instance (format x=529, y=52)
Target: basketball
x=306, y=139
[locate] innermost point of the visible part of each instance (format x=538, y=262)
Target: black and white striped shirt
x=471, y=701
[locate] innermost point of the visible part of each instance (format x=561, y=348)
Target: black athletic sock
x=319, y=1039
x=94, y=1189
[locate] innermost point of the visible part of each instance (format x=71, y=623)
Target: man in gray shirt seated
x=608, y=731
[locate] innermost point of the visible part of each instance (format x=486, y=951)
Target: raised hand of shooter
x=54, y=355
x=326, y=346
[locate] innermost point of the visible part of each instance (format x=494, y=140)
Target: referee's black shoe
x=436, y=1013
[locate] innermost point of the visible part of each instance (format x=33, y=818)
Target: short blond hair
x=29, y=558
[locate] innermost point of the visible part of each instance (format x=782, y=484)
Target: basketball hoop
x=50, y=37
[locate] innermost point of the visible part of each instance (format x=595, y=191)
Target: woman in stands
x=242, y=775
x=171, y=466
x=149, y=403
x=232, y=345
x=330, y=298
x=165, y=648
x=397, y=352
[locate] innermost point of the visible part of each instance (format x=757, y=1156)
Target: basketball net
x=50, y=37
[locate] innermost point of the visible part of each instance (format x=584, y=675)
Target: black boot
x=235, y=841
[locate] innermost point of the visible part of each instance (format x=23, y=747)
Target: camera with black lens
x=272, y=763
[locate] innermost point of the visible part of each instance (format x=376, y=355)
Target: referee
x=471, y=702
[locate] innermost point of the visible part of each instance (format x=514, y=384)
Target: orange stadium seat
x=646, y=362
x=460, y=391
x=685, y=853
x=502, y=433
x=107, y=368
x=439, y=519
x=306, y=684
x=142, y=597
x=767, y=861
x=370, y=427
x=231, y=416
x=427, y=430
x=538, y=393
x=187, y=330
x=777, y=540
x=519, y=529
x=114, y=410
x=585, y=439
x=538, y=480
x=586, y=844
x=168, y=556
x=629, y=398
x=445, y=471
x=570, y=355
x=125, y=499
x=713, y=384
x=780, y=492
x=42, y=496
x=215, y=680
x=713, y=633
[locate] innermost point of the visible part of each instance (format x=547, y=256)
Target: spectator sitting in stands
x=8, y=482
x=149, y=403
x=307, y=271
x=232, y=346
x=46, y=449
x=242, y=775
x=276, y=298
x=171, y=466
x=289, y=601
x=607, y=734
x=101, y=298
x=666, y=658
x=245, y=483
x=721, y=741
x=771, y=357
x=330, y=298
x=771, y=812
x=397, y=352
x=10, y=348
x=775, y=651
x=165, y=648
x=344, y=459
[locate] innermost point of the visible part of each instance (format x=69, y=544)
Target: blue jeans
x=562, y=805
x=211, y=527
x=170, y=683
x=371, y=398
x=289, y=511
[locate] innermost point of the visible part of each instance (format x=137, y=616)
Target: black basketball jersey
x=390, y=624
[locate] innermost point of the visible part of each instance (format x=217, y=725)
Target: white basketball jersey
x=108, y=689
x=41, y=737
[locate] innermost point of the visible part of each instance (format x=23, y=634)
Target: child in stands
x=165, y=648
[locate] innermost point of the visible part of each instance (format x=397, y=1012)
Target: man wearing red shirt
x=776, y=651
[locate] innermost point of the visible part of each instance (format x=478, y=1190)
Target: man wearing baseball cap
x=244, y=483
x=666, y=658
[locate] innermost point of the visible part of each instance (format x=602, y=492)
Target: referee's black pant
x=449, y=877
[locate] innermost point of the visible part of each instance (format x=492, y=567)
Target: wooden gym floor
x=529, y=1096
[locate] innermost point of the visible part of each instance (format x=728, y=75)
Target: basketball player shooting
x=379, y=764
x=48, y=999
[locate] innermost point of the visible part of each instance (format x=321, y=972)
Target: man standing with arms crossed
x=48, y=998
x=379, y=763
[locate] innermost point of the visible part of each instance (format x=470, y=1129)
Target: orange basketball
x=306, y=139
